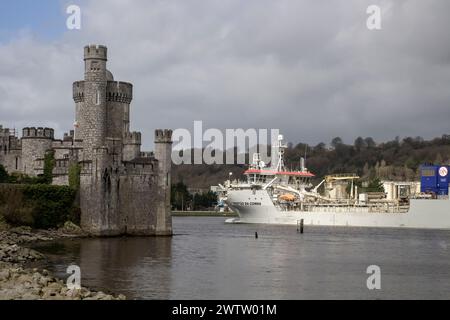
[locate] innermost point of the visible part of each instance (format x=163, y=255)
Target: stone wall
x=12, y=161
x=10, y=150
x=163, y=153
x=33, y=148
x=119, y=96
x=120, y=201
x=131, y=146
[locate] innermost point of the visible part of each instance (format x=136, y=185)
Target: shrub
x=13, y=208
x=4, y=177
x=38, y=206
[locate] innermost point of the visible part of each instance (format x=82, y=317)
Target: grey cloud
x=309, y=68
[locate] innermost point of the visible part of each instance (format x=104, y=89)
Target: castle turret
x=90, y=97
x=95, y=58
x=163, y=153
x=131, y=146
x=35, y=143
x=102, y=104
x=119, y=95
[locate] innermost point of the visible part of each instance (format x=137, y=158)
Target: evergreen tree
x=375, y=185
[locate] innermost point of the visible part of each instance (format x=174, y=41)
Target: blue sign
x=435, y=179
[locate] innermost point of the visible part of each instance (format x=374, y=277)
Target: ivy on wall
x=74, y=176
x=49, y=164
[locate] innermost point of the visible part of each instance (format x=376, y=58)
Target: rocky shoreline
x=17, y=282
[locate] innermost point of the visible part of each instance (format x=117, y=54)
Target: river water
x=208, y=259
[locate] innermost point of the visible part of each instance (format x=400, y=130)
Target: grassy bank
x=202, y=214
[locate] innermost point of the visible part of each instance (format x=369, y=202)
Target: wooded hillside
x=396, y=160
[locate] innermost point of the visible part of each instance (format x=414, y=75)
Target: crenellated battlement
x=118, y=91
x=132, y=138
x=38, y=133
x=4, y=131
x=78, y=91
x=163, y=136
x=68, y=136
x=7, y=132
x=93, y=51
x=139, y=168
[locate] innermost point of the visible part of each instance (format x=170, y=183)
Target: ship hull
x=258, y=208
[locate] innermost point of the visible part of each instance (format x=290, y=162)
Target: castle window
x=17, y=163
x=94, y=66
x=97, y=98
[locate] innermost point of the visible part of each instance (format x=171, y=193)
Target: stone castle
x=123, y=191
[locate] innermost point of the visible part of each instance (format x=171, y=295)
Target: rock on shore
x=20, y=283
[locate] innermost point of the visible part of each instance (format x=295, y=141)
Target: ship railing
x=352, y=208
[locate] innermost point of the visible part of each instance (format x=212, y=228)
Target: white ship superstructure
x=275, y=195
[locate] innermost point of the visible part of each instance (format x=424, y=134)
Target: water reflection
x=208, y=259
x=123, y=265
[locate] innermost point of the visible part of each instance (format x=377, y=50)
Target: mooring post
x=301, y=225
x=256, y=235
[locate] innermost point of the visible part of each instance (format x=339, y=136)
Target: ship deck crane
x=336, y=177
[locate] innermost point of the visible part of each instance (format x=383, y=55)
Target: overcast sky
x=310, y=68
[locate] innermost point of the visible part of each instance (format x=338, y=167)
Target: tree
x=370, y=142
x=204, y=200
x=180, y=196
x=320, y=147
x=336, y=142
x=446, y=138
x=375, y=185
x=439, y=160
x=360, y=143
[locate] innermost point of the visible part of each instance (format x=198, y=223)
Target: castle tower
x=90, y=98
x=35, y=143
x=131, y=146
x=122, y=192
x=10, y=150
x=163, y=153
x=102, y=104
x=119, y=96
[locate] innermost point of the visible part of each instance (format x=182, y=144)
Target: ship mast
x=279, y=154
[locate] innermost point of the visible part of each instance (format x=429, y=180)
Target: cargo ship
x=274, y=195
